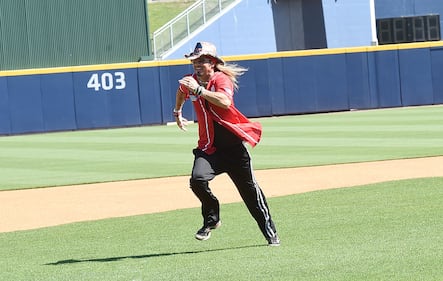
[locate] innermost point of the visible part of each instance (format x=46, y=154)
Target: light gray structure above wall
x=349, y=23
x=263, y=26
x=248, y=28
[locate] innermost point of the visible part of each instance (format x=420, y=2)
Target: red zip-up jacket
x=230, y=118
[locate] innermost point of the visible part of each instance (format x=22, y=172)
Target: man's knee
x=202, y=191
x=197, y=184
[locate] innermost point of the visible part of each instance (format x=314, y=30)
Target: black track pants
x=236, y=162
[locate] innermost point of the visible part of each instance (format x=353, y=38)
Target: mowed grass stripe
x=92, y=156
x=356, y=136
x=159, y=151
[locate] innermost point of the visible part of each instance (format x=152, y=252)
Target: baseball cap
x=204, y=49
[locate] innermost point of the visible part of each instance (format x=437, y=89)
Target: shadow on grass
x=112, y=259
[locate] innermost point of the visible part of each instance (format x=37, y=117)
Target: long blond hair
x=233, y=71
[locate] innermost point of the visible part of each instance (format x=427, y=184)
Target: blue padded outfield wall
x=296, y=82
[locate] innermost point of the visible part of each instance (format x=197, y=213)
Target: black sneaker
x=274, y=241
x=204, y=233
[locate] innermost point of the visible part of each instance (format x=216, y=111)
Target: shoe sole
x=203, y=238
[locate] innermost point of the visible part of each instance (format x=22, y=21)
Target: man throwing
x=223, y=131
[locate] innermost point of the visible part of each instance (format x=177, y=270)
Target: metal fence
x=185, y=24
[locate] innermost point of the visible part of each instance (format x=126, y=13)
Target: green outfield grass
x=39, y=160
x=389, y=231
x=162, y=12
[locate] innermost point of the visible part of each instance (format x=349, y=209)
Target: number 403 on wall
x=107, y=81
